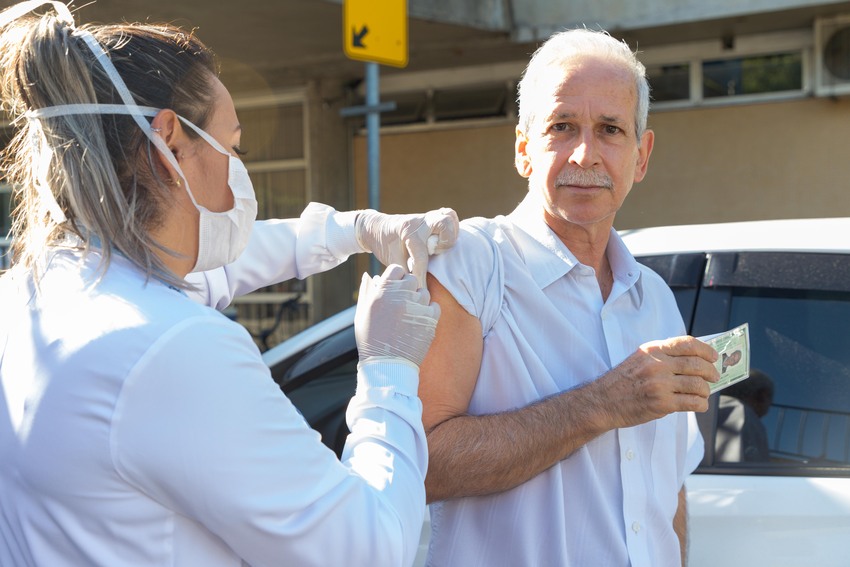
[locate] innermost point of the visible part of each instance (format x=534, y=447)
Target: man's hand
x=660, y=378
x=407, y=240
x=393, y=319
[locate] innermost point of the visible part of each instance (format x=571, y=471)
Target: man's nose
x=585, y=153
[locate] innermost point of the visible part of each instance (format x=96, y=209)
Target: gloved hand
x=407, y=240
x=393, y=319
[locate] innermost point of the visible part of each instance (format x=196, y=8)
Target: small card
x=733, y=346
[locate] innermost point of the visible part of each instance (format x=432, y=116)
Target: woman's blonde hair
x=98, y=167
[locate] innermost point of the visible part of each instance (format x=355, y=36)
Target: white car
x=774, y=485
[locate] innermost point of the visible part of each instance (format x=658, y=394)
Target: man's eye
x=609, y=129
x=559, y=127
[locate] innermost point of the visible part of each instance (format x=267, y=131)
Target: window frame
x=271, y=315
x=696, y=53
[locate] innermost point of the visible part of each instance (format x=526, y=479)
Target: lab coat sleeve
x=279, y=250
x=202, y=428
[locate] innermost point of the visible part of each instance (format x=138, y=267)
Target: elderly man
x=563, y=433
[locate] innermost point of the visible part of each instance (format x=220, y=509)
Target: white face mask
x=222, y=236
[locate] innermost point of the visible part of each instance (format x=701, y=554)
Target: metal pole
x=373, y=145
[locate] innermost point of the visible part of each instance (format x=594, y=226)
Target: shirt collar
x=528, y=217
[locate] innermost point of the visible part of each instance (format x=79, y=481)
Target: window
x=670, y=82
x=5, y=223
x=444, y=105
x=747, y=69
x=799, y=341
x=6, y=133
x=752, y=75
x=476, y=102
x=274, y=137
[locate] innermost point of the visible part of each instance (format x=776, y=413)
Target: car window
x=799, y=392
x=320, y=380
x=684, y=274
x=792, y=416
x=322, y=401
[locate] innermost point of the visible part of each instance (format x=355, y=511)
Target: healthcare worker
x=138, y=427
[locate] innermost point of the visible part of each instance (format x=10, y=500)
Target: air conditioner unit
x=832, y=56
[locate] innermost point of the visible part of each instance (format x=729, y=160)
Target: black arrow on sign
x=358, y=36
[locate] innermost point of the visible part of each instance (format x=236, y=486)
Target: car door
x=317, y=370
x=784, y=500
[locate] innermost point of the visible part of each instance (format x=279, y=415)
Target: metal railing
x=270, y=318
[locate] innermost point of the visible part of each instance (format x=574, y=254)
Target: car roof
x=828, y=235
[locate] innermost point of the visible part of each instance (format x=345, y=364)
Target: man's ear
x=645, y=149
x=167, y=126
x=522, y=161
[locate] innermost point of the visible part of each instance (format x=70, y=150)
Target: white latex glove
x=407, y=240
x=394, y=319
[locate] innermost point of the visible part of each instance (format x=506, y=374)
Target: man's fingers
x=691, y=385
x=689, y=402
x=693, y=366
x=686, y=346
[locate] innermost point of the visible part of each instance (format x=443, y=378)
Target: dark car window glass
x=683, y=273
x=323, y=399
x=799, y=341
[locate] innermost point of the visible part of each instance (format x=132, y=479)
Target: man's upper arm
x=450, y=370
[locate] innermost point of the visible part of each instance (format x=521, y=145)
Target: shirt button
x=630, y=454
x=636, y=527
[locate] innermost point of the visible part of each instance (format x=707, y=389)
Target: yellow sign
x=375, y=31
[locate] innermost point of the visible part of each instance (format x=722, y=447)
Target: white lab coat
x=140, y=428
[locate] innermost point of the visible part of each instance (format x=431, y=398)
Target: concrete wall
x=777, y=160
x=328, y=154
x=772, y=160
x=535, y=19
x=468, y=169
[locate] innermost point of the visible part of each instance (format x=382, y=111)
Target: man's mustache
x=584, y=179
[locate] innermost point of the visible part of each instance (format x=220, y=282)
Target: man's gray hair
x=575, y=44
